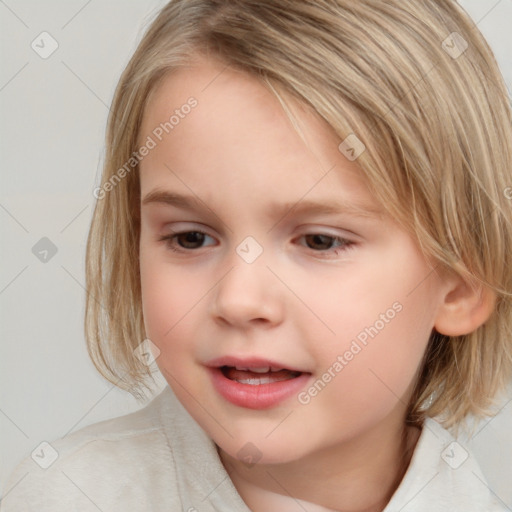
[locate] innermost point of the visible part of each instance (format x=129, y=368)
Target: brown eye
x=191, y=239
x=186, y=241
x=320, y=242
x=326, y=245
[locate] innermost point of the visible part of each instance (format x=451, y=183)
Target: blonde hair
x=433, y=114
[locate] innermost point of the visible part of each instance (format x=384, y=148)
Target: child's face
x=323, y=278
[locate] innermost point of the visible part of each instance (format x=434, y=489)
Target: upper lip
x=250, y=362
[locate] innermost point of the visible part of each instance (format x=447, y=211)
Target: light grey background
x=53, y=115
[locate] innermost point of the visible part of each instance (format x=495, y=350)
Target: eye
x=326, y=243
x=185, y=241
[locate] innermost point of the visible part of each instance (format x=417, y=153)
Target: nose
x=248, y=296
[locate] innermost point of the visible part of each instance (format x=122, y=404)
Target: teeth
x=251, y=377
x=262, y=369
x=255, y=382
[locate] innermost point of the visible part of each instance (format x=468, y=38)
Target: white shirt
x=159, y=459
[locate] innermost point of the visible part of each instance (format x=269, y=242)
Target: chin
x=263, y=451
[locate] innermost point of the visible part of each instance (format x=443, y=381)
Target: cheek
x=382, y=315
x=370, y=372
x=166, y=306
x=389, y=294
x=167, y=296
x=175, y=301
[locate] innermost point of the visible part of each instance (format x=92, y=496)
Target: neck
x=360, y=475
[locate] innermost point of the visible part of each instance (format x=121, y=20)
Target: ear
x=466, y=306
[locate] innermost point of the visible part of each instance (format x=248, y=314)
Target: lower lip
x=261, y=396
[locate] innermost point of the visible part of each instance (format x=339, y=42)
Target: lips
x=255, y=383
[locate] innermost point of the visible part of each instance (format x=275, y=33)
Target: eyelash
x=344, y=244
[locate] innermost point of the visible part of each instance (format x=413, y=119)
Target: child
x=305, y=212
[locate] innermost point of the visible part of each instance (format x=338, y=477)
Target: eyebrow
x=276, y=210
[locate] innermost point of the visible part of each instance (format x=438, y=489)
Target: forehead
x=230, y=96
x=237, y=135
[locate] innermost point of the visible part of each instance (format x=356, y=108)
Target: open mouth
x=256, y=382
x=258, y=376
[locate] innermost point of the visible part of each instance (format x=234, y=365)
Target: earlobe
x=466, y=306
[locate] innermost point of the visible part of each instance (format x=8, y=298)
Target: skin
x=301, y=302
